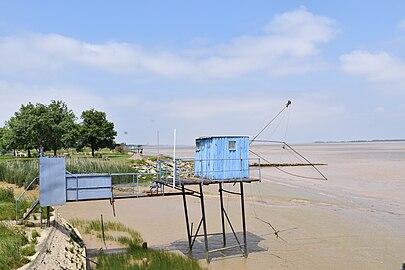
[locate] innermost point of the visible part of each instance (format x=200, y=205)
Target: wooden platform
x=190, y=180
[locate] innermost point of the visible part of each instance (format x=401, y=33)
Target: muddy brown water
x=354, y=220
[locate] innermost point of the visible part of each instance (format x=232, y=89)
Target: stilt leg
x=48, y=217
x=243, y=219
x=204, y=222
x=187, y=220
x=222, y=214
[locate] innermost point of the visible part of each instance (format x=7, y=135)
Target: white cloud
x=13, y=95
x=290, y=40
x=380, y=109
x=401, y=25
x=379, y=67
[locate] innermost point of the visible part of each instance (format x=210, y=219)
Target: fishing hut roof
x=221, y=136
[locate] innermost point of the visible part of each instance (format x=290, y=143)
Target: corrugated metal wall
x=215, y=160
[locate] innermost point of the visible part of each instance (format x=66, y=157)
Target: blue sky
x=211, y=67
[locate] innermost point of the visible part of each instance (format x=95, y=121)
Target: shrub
x=11, y=241
x=7, y=195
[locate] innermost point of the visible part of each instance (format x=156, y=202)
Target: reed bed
x=11, y=251
x=95, y=165
x=93, y=227
x=136, y=257
x=21, y=171
x=139, y=258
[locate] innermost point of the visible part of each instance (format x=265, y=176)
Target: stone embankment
x=59, y=247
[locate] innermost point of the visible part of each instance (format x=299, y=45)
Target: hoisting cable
x=260, y=132
x=277, y=125
x=286, y=126
x=296, y=175
x=276, y=232
x=297, y=153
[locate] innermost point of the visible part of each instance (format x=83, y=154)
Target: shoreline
x=355, y=220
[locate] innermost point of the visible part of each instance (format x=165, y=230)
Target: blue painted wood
x=52, y=184
x=88, y=186
x=214, y=159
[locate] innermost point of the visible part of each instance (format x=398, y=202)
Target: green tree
x=51, y=127
x=95, y=131
x=7, y=140
x=62, y=131
x=20, y=129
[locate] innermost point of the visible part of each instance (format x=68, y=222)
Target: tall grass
x=7, y=205
x=135, y=257
x=11, y=241
x=94, y=165
x=7, y=195
x=19, y=171
x=22, y=171
x=139, y=258
x=93, y=227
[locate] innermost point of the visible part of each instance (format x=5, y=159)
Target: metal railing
x=22, y=194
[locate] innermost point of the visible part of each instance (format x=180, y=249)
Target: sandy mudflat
x=355, y=220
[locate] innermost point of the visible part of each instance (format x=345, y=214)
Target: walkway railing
x=36, y=179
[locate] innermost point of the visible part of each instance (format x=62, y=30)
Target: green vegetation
x=95, y=131
x=34, y=236
x=11, y=242
x=14, y=243
x=53, y=127
x=90, y=165
x=139, y=258
x=7, y=204
x=6, y=195
x=19, y=171
x=22, y=171
x=28, y=250
x=131, y=237
x=136, y=257
x=40, y=126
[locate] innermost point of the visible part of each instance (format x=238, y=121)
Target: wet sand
x=354, y=220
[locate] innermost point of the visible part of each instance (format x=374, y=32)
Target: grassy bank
x=14, y=243
x=139, y=258
x=136, y=257
x=11, y=252
x=113, y=231
x=22, y=171
x=19, y=171
x=7, y=204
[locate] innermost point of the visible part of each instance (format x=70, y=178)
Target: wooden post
x=102, y=229
x=48, y=217
x=204, y=222
x=222, y=214
x=186, y=218
x=243, y=219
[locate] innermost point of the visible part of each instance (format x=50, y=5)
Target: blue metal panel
x=88, y=186
x=52, y=184
x=216, y=160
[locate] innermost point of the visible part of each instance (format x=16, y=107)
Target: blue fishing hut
x=222, y=157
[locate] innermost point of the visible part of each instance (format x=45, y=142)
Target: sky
x=211, y=67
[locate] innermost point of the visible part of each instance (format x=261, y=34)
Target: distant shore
x=363, y=141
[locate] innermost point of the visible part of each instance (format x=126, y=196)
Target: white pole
x=158, y=150
x=174, y=158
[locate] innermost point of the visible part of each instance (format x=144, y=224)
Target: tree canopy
x=96, y=131
x=53, y=127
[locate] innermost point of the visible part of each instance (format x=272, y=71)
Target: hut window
x=198, y=146
x=232, y=145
